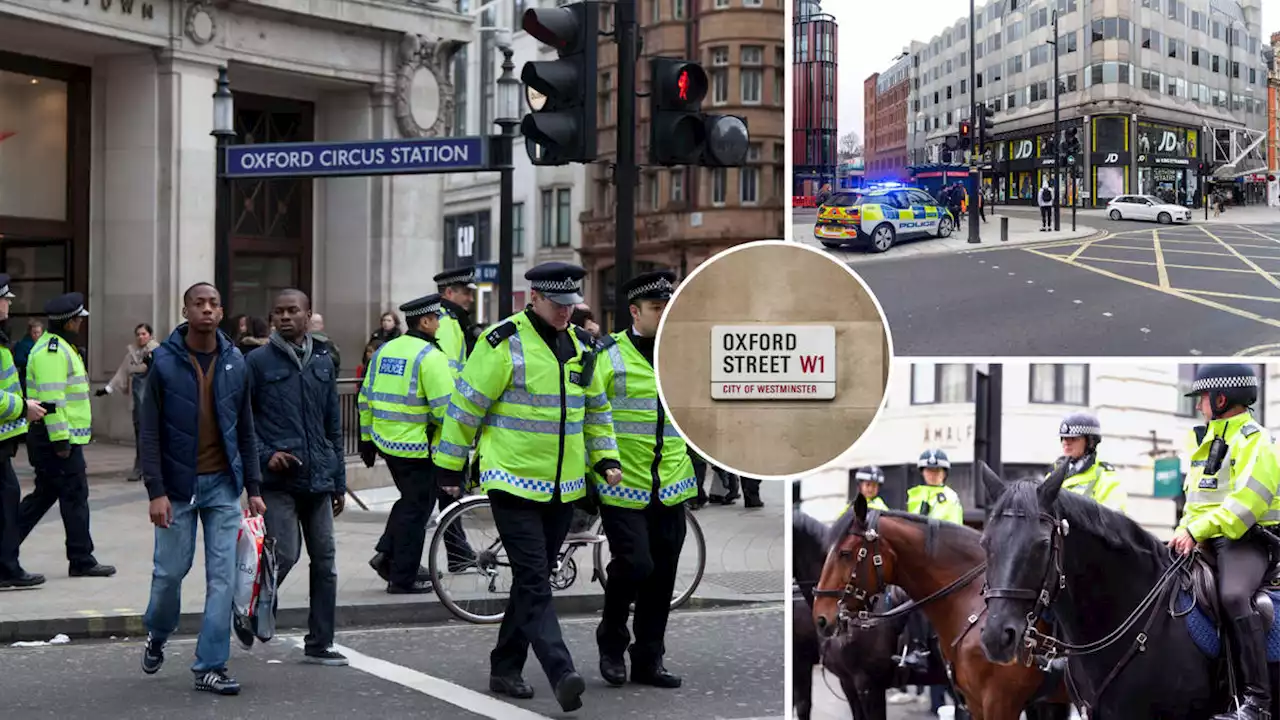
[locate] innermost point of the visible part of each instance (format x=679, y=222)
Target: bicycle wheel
x=485, y=577
x=690, y=570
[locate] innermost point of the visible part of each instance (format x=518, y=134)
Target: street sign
x=487, y=273
x=373, y=157
x=773, y=362
x=1168, y=478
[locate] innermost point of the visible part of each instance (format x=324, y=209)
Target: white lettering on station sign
x=773, y=362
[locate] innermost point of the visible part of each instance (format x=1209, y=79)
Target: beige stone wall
x=772, y=284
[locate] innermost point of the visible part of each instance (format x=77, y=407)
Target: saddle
x=1201, y=582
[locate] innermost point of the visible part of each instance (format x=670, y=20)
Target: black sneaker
x=326, y=656
x=217, y=682
x=152, y=656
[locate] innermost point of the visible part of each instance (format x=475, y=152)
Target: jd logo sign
x=1168, y=143
x=1025, y=148
x=1112, y=157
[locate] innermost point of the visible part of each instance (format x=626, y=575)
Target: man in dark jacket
x=198, y=453
x=298, y=420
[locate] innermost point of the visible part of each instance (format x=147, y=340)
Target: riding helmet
x=1236, y=382
x=1081, y=424
x=933, y=458
x=869, y=473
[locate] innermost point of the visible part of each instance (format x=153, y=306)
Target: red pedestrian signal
x=683, y=85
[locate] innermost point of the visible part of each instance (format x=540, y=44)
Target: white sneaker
x=586, y=537
x=899, y=698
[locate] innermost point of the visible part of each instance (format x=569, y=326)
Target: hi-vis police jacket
x=1243, y=492
x=644, y=433
x=403, y=397
x=13, y=408
x=1098, y=482
x=936, y=501
x=543, y=420
x=55, y=374
x=452, y=339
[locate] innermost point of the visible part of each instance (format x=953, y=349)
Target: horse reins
x=1054, y=582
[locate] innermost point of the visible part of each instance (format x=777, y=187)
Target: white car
x=1147, y=207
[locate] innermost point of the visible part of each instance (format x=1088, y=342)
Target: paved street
x=731, y=661
x=1155, y=290
x=745, y=551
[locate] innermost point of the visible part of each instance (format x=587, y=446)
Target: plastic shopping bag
x=262, y=614
x=248, y=550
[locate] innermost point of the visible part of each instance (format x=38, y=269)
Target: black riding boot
x=1254, y=681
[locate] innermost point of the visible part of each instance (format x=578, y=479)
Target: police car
x=880, y=217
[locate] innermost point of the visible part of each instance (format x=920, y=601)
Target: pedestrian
x=643, y=516
x=298, y=421
x=1045, y=201
x=130, y=381
x=22, y=350
x=258, y=334
x=982, y=204
x=57, y=379
x=751, y=492
x=15, y=414
x=369, y=349
x=199, y=453
x=402, y=404
x=533, y=384
x=388, y=328
x=319, y=336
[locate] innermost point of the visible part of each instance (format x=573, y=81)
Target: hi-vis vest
x=875, y=503
x=1099, y=483
x=13, y=407
x=538, y=435
x=452, y=340
x=939, y=502
x=55, y=374
x=404, y=394
x=644, y=433
x=1243, y=492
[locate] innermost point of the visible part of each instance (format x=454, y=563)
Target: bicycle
x=473, y=512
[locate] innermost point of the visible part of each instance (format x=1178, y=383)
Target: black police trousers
x=532, y=533
x=10, y=532
x=62, y=481
x=458, y=551
x=406, y=530
x=645, y=545
x=1242, y=565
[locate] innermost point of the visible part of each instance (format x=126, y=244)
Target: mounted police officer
x=1231, y=491
x=644, y=516
x=402, y=403
x=532, y=383
x=1081, y=433
x=870, y=479
x=934, y=499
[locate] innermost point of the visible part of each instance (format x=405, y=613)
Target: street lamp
x=508, y=119
x=223, y=131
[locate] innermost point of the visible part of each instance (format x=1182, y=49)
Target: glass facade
x=815, y=131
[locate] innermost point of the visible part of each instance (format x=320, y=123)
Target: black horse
x=860, y=659
x=1096, y=569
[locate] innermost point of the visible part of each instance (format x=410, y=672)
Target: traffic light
x=986, y=114
x=1051, y=147
x=561, y=128
x=679, y=132
x=1072, y=145
x=966, y=135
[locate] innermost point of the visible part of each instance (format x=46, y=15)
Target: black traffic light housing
x=986, y=114
x=966, y=135
x=1071, y=147
x=679, y=132
x=561, y=93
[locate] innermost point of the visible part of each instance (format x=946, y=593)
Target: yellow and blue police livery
x=882, y=216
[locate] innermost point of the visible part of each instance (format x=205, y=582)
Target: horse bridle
x=871, y=536
x=1051, y=585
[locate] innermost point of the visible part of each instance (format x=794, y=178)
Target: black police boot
x=512, y=686
x=613, y=670
x=569, y=691
x=653, y=673
x=1255, y=684
x=23, y=580
x=381, y=564
x=97, y=570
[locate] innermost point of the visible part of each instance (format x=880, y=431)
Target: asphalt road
x=731, y=660
x=1157, y=290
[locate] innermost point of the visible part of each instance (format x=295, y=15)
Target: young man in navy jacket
x=199, y=453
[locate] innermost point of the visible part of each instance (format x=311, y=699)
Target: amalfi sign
x=144, y=10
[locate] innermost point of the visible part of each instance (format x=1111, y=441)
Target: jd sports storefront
x=1019, y=166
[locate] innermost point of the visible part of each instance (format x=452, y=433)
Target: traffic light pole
x=625, y=174
x=1058, y=165
x=975, y=173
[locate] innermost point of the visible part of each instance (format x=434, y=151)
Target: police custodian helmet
x=933, y=458
x=1081, y=424
x=869, y=473
x=1237, y=383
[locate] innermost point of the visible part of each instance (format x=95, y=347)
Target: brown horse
x=941, y=566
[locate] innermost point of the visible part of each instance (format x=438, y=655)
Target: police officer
x=457, y=334
x=870, y=479
x=532, y=383
x=644, y=516
x=402, y=403
x=15, y=412
x=56, y=377
x=934, y=499
x=1231, y=488
x=1086, y=474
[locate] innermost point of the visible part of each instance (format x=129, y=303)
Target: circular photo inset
x=772, y=359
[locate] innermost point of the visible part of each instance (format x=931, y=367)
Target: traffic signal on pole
x=1072, y=149
x=1051, y=147
x=966, y=135
x=561, y=128
x=679, y=132
x=986, y=114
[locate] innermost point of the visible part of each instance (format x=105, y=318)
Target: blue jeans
x=217, y=505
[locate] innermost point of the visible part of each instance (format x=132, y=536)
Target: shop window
x=941, y=383
x=38, y=274
x=1060, y=384
x=33, y=147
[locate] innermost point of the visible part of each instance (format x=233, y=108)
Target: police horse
x=1136, y=625
x=940, y=566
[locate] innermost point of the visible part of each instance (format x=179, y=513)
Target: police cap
x=427, y=305
x=65, y=307
x=465, y=276
x=656, y=285
x=559, y=282
x=5, y=292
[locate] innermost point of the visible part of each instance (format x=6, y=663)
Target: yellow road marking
x=1173, y=292
x=1255, y=232
x=1259, y=350
x=1183, y=252
x=1161, y=271
x=1266, y=275
x=1180, y=267
x=1233, y=295
x=1083, y=246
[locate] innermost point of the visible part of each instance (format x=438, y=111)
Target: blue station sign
x=373, y=157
